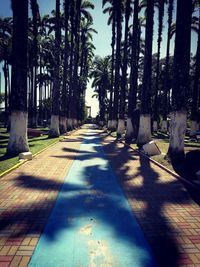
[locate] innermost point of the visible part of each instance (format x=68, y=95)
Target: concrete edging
x=160, y=165
x=163, y=167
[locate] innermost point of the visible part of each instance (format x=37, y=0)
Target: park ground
x=166, y=210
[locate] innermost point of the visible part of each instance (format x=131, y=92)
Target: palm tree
x=5, y=55
x=166, y=80
x=121, y=122
x=130, y=130
x=71, y=62
x=65, y=84
x=18, y=141
x=161, y=4
x=180, y=79
x=101, y=82
x=196, y=87
x=85, y=20
x=76, y=13
x=75, y=94
x=144, y=134
x=35, y=13
x=54, y=127
x=46, y=71
x=86, y=60
x=118, y=6
x=111, y=20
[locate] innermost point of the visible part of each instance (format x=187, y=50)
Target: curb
x=194, y=186
x=26, y=160
x=164, y=168
x=13, y=168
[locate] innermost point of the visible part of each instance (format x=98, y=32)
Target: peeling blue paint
x=91, y=224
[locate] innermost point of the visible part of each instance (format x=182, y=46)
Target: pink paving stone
x=13, y=243
x=4, y=264
x=195, y=238
x=196, y=241
x=5, y=258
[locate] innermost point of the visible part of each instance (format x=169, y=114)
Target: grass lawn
x=162, y=141
x=36, y=144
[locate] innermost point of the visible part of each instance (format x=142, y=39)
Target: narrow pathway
x=91, y=224
x=78, y=213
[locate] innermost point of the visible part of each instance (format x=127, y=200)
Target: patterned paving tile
x=164, y=209
x=27, y=196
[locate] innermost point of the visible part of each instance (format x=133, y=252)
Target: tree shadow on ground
x=71, y=140
x=7, y=156
x=93, y=195
x=149, y=195
x=93, y=199
x=187, y=167
x=67, y=149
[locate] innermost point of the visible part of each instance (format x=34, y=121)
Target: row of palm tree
x=54, y=54
x=130, y=79
x=132, y=53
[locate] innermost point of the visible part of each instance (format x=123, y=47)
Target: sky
x=102, y=40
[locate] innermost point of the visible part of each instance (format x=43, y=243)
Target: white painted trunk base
x=194, y=128
x=121, y=127
x=144, y=133
x=69, y=124
x=177, y=132
x=74, y=123
x=109, y=124
x=63, y=125
x=54, y=127
x=18, y=140
x=113, y=125
x=101, y=123
x=129, y=129
x=155, y=126
x=164, y=127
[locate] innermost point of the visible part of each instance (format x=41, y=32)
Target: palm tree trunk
x=156, y=102
x=71, y=67
x=101, y=106
x=112, y=74
x=195, y=93
x=131, y=130
x=35, y=98
x=31, y=92
x=180, y=79
x=164, y=127
x=121, y=123
x=144, y=134
x=35, y=11
x=54, y=128
x=117, y=7
x=18, y=141
x=40, y=93
x=6, y=93
x=76, y=91
x=64, y=97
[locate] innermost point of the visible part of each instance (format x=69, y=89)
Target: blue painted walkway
x=91, y=224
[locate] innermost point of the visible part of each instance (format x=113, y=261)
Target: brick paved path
x=168, y=216
x=27, y=196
